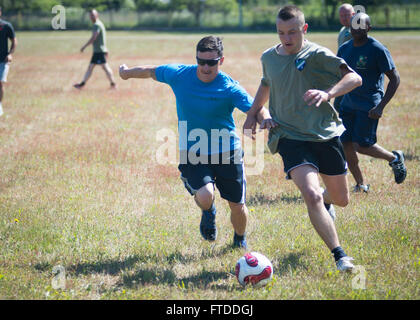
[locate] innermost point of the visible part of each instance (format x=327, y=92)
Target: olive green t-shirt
x=289, y=77
x=99, y=45
x=344, y=36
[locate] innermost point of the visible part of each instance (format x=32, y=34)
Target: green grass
x=80, y=186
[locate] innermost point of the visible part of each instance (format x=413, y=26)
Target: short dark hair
x=211, y=43
x=289, y=12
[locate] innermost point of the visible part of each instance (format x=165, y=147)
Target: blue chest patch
x=300, y=64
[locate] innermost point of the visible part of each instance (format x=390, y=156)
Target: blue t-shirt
x=205, y=120
x=370, y=61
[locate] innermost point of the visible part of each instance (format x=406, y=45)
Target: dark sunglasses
x=210, y=62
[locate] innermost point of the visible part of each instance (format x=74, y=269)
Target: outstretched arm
x=349, y=81
x=142, y=72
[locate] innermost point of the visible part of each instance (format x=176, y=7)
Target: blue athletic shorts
x=359, y=127
x=227, y=175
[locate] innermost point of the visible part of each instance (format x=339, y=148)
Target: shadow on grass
x=115, y=266
x=162, y=272
x=133, y=275
x=411, y=156
x=261, y=199
x=149, y=276
x=288, y=263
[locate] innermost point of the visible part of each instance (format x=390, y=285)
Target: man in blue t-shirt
x=362, y=108
x=210, y=149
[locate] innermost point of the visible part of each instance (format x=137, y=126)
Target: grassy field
x=80, y=186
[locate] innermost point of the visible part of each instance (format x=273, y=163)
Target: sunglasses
x=209, y=62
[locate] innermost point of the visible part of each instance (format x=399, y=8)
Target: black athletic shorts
x=98, y=58
x=327, y=157
x=229, y=178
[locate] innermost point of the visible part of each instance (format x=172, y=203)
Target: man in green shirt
x=346, y=12
x=100, y=52
x=299, y=79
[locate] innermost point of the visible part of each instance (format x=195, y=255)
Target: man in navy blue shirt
x=205, y=100
x=6, y=33
x=362, y=108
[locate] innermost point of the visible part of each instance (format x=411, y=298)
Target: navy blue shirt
x=370, y=61
x=6, y=32
x=205, y=109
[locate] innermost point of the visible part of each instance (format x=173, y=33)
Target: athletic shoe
x=344, y=264
x=361, y=187
x=78, y=85
x=208, y=226
x=331, y=211
x=239, y=242
x=398, y=166
x=113, y=85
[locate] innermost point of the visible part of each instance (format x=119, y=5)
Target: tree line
x=328, y=8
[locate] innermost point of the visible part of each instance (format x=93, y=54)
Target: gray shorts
x=4, y=70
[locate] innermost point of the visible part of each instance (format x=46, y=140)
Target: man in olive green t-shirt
x=299, y=79
x=346, y=12
x=100, y=52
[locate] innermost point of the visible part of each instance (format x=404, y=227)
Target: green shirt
x=344, y=36
x=99, y=45
x=289, y=77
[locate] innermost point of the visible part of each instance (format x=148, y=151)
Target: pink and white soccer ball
x=254, y=268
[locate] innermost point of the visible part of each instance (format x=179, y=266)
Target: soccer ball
x=254, y=268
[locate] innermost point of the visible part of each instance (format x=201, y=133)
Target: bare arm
x=349, y=81
x=12, y=50
x=142, y=72
x=394, y=82
x=258, y=113
x=92, y=39
x=261, y=98
x=262, y=115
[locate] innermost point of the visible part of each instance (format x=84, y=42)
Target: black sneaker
x=398, y=166
x=208, y=226
x=239, y=241
x=79, y=85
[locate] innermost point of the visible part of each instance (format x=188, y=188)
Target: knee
x=342, y=200
x=312, y=197
x=353, y=162
x=238, y=208
x=204, y=198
